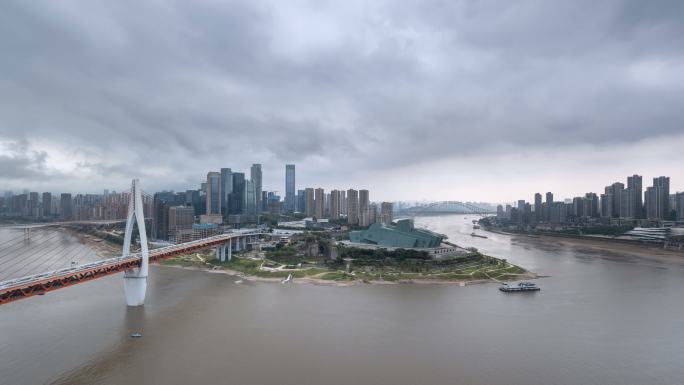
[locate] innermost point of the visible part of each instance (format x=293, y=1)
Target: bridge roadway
x=39, y=284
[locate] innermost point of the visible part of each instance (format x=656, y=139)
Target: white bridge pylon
x=135, y=280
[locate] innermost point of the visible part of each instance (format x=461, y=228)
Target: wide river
x=604, y=316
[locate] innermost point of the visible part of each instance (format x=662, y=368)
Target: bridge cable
x=20, y=236
x=37, y=256
x=35, y=251
x=6, y=251
x=38, y=237
x=68, y=261
x=70, y=257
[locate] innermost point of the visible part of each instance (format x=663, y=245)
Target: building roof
x=403, y=234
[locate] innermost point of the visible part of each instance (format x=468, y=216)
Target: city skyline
x=528, y=196
x=476, y=98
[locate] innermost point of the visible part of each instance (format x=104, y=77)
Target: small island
x=344, y=258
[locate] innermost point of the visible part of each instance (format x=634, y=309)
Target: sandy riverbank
x=101, y=247
x=606, y=248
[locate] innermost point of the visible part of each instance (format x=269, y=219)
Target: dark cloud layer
x=99, y=92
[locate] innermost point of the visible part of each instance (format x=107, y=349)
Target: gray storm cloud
x=99, y=92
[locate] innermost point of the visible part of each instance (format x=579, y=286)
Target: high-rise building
x=679, y=205
x=373, y=214
x=658, y=199
x=213, y=193
x=47, y=204
x=500, y=212
x=309, y=207
x=326, y=209
x=226, y=190
x=237, y=197
x=614, y=200
x=264, y=200
x=343, y=202
x=255, y=176
x=192, y=199
x=301, y=201
x=558, y=212
x=578, y=207
x=66, y=208
x=635, y=193
x=335, y=204
x=319, y=203
x=161, y=202
x=364, y=207
x=290, y=204
x=549, y=203
x=33, y=204
x=352, y=207
x=181, y=219
x=250, y=204
x=591, y=205
x=386, y=213
x=538, y=207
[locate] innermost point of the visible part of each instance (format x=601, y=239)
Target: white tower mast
x=135, y=280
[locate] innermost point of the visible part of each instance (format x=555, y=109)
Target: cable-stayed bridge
x=134, y=266
x=445, y=207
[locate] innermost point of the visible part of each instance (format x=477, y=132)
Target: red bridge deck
x=39, y=284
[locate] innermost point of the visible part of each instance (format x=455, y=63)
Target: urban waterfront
x=606, y=315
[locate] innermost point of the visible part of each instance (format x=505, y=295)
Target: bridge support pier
x=229, y=246
x=135, y=288
x=221, y=252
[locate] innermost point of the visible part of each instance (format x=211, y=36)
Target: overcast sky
x=463, y=100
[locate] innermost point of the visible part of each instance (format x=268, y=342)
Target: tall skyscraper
x=47, y=204
x=66, y=209
x=614, y=200
x=290, y=205
x=373, y=213
x=386, y=213
x=679, y=205
x=635, y=193
x=226, y=190
x=192, y=199
x=237, y=197
x=301, y=201
x=250, y=204
x=160, y=214
x=538, y=207
x=591, y=205
x=326, y=209
x=658, y=199
x=343, y=202
x=364, y=207
x=549, y=203
x=319, y=203
x=255, y=176
x=352, y=207
x=213, y=192
x=309, y=209
x=335, y=204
